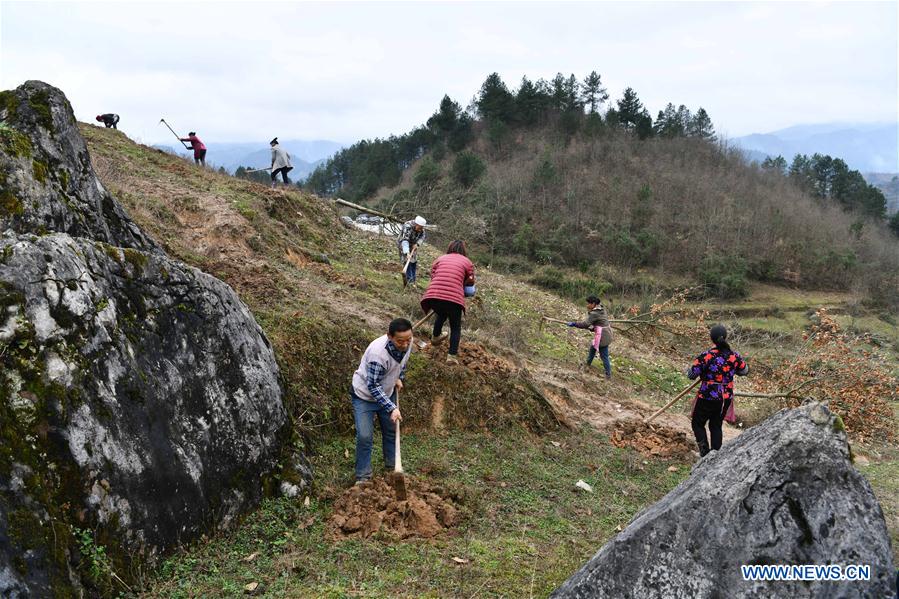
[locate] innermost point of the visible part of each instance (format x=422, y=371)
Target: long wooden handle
x=398, y=462
x=422, y=321
x=408, y=261
x=671, y=403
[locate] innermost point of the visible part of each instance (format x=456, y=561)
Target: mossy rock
x=14, y=143
x=40, y=171
x=9, y=103
x=40, y=103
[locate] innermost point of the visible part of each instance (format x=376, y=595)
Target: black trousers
x=283, y=170
x=711, y=412
x=200, y=157
x=453, y=312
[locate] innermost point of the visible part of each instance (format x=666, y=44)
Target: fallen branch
x=369, y=211
x=634, y=323
x=791, y=394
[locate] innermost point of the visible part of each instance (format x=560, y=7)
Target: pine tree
x=701, y=126
x=529, y=103
x=495, y=101
x=668, y=123
x=684, y=119
x=447, y=116
x=630, y=109
x=775, y=165
x=593, y=93
x=644, y=125
x=573, y=95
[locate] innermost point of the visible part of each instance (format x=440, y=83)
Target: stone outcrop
x=784, y=492
x=140, y=403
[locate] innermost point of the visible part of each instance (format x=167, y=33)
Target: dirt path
x=585, y=396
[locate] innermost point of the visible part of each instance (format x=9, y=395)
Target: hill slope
x=492, y=430
x=676, y=205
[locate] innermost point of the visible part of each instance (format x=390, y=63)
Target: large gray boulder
x=784, y=492
x=140, y=402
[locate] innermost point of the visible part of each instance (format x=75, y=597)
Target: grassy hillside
x=682, y=206
x=508, y=432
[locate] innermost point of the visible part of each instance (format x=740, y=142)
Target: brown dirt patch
x=651, y=440
x=474, y=356
x=370, y=508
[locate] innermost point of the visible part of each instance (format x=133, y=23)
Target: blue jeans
x=604, y=354
x=410, y=272
x=364, y=413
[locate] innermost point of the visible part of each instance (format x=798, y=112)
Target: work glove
x=571, y=324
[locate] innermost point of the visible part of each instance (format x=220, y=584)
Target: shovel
x=421, y=321
x=186, y=147
x=399, y=479
x=671, y=403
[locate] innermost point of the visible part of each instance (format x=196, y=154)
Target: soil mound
x=651, y=439
x=366, y=509
x=474, y=356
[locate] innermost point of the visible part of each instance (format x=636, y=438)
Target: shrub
x=468, y=168
x=427, y=175
x=569, y=286
x=724, y=276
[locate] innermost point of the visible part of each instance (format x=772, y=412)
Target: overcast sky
x=343, y=71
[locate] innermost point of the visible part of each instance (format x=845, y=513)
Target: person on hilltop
x=374, y=394
x=452, y=280
x=598, y=322
x=198, y=146
x=411, y=237
x=714, y=400
x=109, y=119
x=280, y=163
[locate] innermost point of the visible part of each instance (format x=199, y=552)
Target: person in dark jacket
x=198, y=146
x=412, y=235
x=109, y=119
x=446, y=293
x=713, y=404
x=598, y=322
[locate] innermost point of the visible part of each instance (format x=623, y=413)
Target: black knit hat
x=273, y=142
x=718, y=333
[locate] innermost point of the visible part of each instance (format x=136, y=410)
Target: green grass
x=525, y=530
x=650, y=376
x=884, y=479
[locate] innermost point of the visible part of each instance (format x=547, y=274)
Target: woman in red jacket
x=450, y=274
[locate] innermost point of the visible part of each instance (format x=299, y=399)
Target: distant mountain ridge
x=866, y=147
x=305, y=154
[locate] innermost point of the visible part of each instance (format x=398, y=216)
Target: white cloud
x=247, y=71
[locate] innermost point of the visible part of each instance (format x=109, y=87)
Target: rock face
x=784, y=492
x=140, y=402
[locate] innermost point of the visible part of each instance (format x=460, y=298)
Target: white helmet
x=421, y=222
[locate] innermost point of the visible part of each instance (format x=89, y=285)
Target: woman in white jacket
x=280, y=162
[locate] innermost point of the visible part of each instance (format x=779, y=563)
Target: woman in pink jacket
x=450, y=274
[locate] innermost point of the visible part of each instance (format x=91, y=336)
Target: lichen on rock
x=121, y=412
x=783, y=492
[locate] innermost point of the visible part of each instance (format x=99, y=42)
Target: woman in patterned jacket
x=714, y=400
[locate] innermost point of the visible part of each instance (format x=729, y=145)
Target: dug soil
x=372, y=507
x=652, y=439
